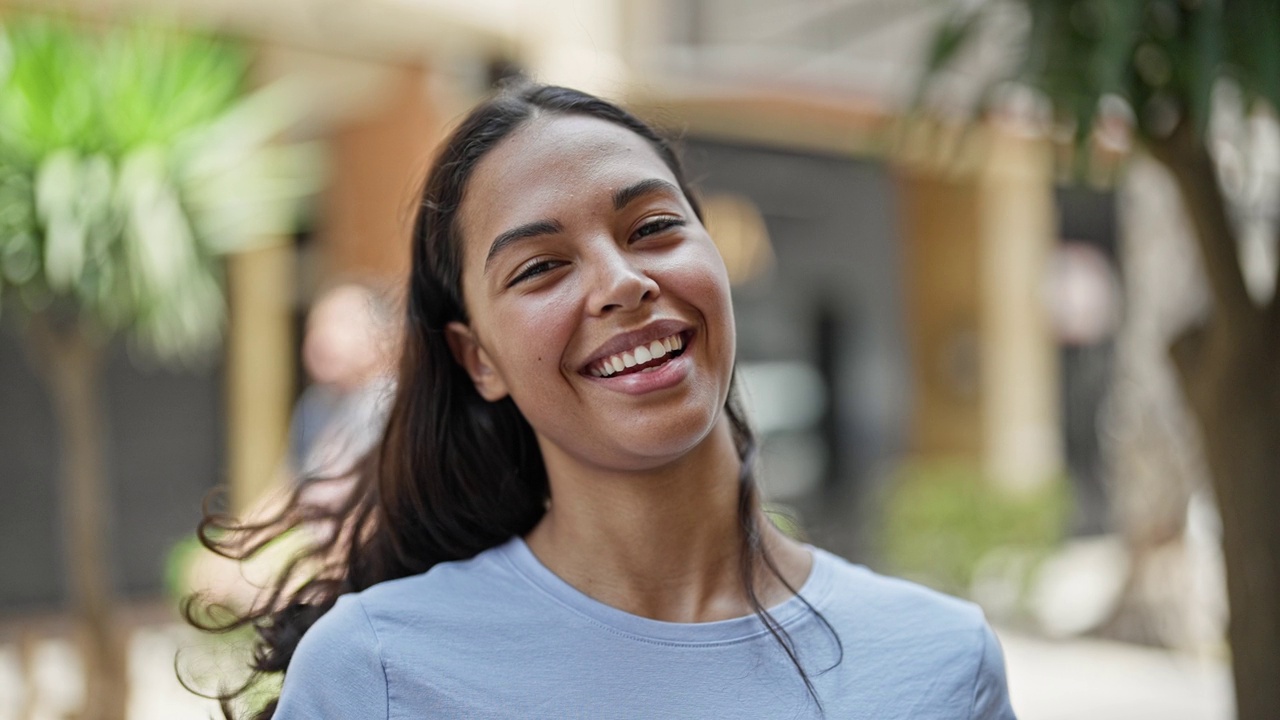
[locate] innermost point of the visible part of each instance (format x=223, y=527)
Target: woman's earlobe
x=473, y=358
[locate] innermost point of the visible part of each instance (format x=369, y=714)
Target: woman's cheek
x=702, y=272
x=542, y=326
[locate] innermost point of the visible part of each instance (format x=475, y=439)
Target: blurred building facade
x=893, y=275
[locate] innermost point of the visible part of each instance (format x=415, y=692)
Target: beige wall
x=977, y=236
x=377, y=164
x=942, y=237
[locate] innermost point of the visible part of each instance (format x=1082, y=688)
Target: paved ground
x=1099, y=680
x=56, y=676
x=1082, y=679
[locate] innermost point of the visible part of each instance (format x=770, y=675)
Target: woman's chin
x=643, y=444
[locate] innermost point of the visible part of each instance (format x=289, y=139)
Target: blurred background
x=963, y=237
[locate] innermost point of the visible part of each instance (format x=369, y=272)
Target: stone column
x=1022, y=437
x=259, y=382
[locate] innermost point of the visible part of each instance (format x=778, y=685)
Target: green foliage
x=785, y=521
x=1163, y=58
x=129, y=162
x=177, y=566
x=215, y=664
x=942, y=519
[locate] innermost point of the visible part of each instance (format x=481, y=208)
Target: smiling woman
x=560, y=520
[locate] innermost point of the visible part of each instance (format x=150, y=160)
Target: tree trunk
x=70, y=364
x=1230, y=372
x=1232, y=384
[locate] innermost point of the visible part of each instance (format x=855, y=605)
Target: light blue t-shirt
x=501, y=636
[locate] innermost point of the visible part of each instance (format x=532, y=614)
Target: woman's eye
x=657, y=225
x=533, y=270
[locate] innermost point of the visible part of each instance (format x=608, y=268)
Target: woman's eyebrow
x=624, y=196
x=621, y=198
x=520, y=232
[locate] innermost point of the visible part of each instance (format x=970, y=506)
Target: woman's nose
x=617, y=284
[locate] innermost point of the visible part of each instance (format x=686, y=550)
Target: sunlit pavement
x=1074, y=680
x=1101, y=680
x=55, y=679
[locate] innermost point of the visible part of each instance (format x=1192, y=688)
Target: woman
x=560, y=520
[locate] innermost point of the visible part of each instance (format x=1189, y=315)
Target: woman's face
x=579, y=250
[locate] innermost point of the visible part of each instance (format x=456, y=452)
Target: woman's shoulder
x=446, y=590
x=337, y=669
x=343, y=661
x=914, y=637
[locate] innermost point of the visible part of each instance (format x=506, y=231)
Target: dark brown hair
x=453, y=475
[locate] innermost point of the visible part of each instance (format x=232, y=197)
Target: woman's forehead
x=555, y=164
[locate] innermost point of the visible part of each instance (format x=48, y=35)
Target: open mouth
x=642, y=358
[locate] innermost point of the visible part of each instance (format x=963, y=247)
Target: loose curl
x=453, y=474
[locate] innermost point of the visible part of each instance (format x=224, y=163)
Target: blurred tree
x=1154, y=66
x=130, y=160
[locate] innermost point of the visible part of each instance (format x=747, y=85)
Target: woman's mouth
x=641, y=358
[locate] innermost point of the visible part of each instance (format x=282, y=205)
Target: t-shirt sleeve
x=337, y=670
x=991, y=689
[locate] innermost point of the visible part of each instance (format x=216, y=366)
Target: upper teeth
x=637, y=355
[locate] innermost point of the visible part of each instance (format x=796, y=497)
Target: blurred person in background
x=561, y=519
x=347, y=354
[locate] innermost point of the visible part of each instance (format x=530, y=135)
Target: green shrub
x=943, y=518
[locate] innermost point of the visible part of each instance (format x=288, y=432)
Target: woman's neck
x=663, y=543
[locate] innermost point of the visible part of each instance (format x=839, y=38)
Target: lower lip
x=664, y=376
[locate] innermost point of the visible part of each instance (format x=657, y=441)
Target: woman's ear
x=473, y=358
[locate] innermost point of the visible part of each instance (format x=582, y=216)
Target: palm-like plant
x=1159, y=63
x=130, y=161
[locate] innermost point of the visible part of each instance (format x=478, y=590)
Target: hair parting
x=453, y=474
